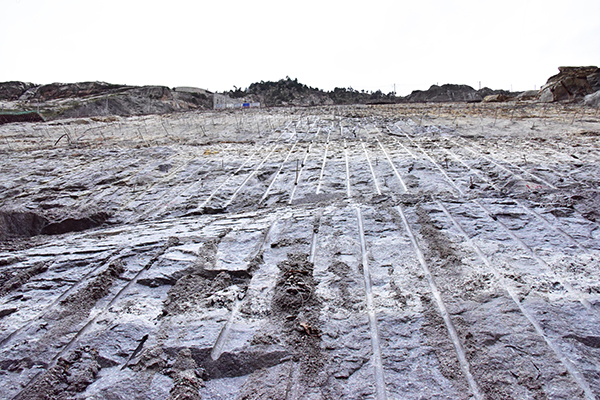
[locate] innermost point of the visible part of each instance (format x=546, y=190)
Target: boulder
x=528, y=95
x=592, y=100
x=570, y=83
x=495, y=98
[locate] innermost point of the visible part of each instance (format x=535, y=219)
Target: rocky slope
x=87, y=99
x=408, y=251
x=454, y=93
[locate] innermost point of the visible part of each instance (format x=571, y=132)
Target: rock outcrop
x=444, y=93
x=56, y=91
x=96, y=99
x=289, y=92
x=571, y=83
x=90, y=99
x=451, y=92
x=11, y=91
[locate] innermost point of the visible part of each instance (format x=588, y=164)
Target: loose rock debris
x=206, y=259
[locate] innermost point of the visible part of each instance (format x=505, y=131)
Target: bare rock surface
x=413, y=251
x=454, y=93
x=93, y=99
x=571, y=83
x=592, y=100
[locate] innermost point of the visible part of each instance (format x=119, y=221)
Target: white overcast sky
x=369, y=44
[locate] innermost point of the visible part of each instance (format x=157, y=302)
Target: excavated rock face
x=571, y=83
x=13, y=90
x=445, y=251
x=90, y=99
x=81, y=89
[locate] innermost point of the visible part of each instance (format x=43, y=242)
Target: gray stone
x=570, y=83
x=592, y=100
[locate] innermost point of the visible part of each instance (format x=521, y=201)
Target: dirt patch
x=81, y=302
x=295, y=287
x=475, y=283
x=269, y=383
x=195, y=291
x=296, y=311
x=71, y=375
x=438, y=247
x=287, y=242
x=202, y=286
x=76, y=307
x=187, y=377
